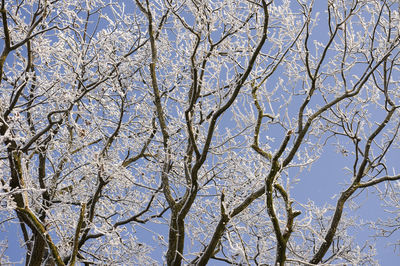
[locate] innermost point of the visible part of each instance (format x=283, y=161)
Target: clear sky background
x=325, y=179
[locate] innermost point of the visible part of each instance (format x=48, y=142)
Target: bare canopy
x=175, y=131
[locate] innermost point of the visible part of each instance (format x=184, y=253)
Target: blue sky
x=325, y=179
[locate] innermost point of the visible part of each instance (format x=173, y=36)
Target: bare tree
x=184, y=126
